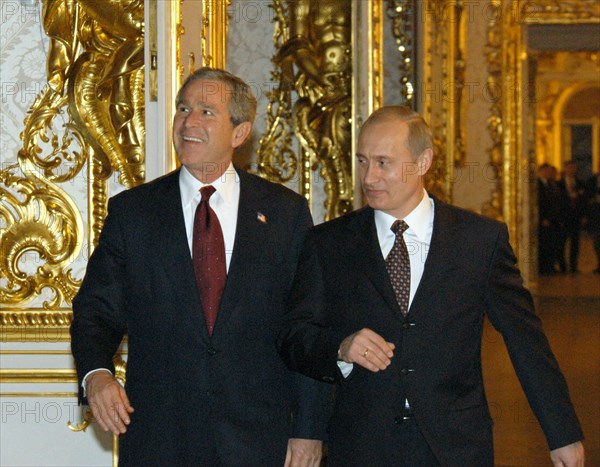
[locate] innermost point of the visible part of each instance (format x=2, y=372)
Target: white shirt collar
x=225, y=186
x=418, y=220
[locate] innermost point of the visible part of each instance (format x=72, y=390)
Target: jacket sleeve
x=307, y=343
x=98, y=325
x=511, y=311
x=313, y=398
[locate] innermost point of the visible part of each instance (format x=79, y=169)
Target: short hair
x=242, y=103
x=419, y=133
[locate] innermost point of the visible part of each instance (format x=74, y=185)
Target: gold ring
x=366, y=352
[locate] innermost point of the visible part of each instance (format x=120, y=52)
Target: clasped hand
x=367, y=349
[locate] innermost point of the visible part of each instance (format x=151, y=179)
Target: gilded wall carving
x=87, y=122
x=442, y=88
x=312, y=100
x=403, y=23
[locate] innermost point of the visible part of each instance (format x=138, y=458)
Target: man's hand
x=571, y=455
x=108, y=401
x=368, y=349
x=303, y=453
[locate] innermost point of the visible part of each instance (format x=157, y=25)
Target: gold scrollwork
x=402, y=14
x=493, y=51
x=314, y=64
x=95, y=69
x=43, y=227
x=277, y=160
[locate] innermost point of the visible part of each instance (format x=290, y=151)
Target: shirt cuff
x=84, y=380
x=345, y=368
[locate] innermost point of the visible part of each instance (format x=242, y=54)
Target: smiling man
x=196, y=267
x=389, y=302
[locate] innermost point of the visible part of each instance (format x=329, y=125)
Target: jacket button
x=398, y=420
x=212, y=351
x=407, y=325
x=406, y=371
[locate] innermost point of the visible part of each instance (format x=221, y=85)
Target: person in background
x=594, y=217
x=196, y=268
x=389, y=303
x=549, y=228
x=573, y=206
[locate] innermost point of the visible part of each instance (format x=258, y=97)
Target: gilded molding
x=95, y=70
x=402, y=14
x=69, y=395
x=312, y=101
x=376, y=54
x=214, y=32
x=177, y=12
x=557, y=11
x=494, y=55
x=443, y=37
x=37, y=375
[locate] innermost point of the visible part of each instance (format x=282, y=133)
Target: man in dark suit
x=549, y=226
x=396, y=318
x=574, y=202
x=199, y=391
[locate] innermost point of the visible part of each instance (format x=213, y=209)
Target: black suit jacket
x=573, y=209
x=342, y=286
x=198, y=399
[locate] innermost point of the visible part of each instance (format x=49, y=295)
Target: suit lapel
x=175, y=254
x=439, y=258
x=368, y=255
x=250, y=233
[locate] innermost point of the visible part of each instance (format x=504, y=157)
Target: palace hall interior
x=510, y=89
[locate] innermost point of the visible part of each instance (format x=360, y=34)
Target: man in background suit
x=199, y=392
x=549, y=215
x=403, y=338
x=573, y=209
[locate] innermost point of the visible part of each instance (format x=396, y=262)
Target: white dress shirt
x=417, y=238
x=225, y=202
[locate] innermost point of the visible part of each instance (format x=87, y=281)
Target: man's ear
x=240, y=133
x=424, y=161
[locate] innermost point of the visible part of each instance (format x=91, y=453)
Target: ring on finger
x=366, y=352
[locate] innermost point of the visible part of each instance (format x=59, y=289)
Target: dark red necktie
x=398, y=266
x=208, y=254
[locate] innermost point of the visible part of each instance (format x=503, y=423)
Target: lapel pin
x=261, y=217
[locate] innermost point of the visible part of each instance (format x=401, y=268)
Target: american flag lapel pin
x=261, y=217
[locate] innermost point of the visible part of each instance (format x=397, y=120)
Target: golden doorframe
x=506, y=56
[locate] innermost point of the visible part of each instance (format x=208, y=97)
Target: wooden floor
x=569, y=307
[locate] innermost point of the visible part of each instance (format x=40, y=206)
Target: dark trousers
x=572, y=235
x=415, y=451
x=409, y=450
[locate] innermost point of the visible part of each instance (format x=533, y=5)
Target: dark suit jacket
x=573, y=209
x=550, y=203
x=191, y=391
x=342, y=286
